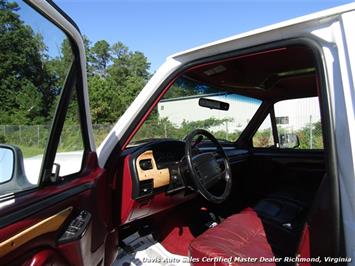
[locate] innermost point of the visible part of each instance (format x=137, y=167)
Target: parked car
x=271, y=180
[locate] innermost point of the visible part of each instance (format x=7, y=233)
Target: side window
x=70, y=150
x=35, y=57
x=299, y=118
x=264, y=138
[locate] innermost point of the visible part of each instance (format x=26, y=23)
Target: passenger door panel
x=275, y=169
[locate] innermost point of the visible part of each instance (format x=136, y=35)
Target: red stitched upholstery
x=239, y=236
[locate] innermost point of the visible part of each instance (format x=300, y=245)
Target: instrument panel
x=155, y=168
x=147, y=169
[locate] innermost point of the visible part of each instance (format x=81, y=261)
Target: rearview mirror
x=213, y=104
x=289, y=140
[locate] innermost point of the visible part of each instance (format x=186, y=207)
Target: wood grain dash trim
x=161, y=177
x=47, y=225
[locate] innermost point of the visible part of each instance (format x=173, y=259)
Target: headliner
x=282, y=73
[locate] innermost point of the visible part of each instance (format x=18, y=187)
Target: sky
x=160, y=28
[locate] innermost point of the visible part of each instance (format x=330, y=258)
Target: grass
x=30, y=151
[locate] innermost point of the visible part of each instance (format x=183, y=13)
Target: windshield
x=179, y=112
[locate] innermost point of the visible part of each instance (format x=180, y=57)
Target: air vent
x=146, y=187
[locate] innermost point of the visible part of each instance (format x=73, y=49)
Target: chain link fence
x=33, y=139
x=24, y=135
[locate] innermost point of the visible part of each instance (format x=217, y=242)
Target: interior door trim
x=47, y=225
x=42, y=204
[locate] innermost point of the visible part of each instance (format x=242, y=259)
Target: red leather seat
x=236, y=241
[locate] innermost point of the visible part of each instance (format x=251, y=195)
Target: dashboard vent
x=146, y=187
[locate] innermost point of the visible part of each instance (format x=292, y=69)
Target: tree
x=138, y=65
x=263, y=138
x=25, y=79
x=127, y=64
x=105, y=102
x=31, y=80
x=100, y=57
x=304, y=135
x=163, y=128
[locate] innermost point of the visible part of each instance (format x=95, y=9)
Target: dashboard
x=155, y=177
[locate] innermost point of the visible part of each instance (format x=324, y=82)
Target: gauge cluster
x=155, y=168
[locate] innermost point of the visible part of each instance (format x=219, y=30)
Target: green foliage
x=100, y=57
x=117, y=76
x=163, y=128
x=313, y=131
x=25, y=89
x=31, y=80
x=263, y=138
x=58, y=67
x=105, y=102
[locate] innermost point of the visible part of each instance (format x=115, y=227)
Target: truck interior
x=274, y=191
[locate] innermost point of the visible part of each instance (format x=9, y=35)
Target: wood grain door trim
x=47, y=225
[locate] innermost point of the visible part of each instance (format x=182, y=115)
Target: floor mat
x=178, y=240
x=145, y=251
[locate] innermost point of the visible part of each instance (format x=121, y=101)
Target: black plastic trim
x=245, y=138
x=274, y=127
x=43, y=204
x=287, y=153
x=57, y=126
x=65, y=15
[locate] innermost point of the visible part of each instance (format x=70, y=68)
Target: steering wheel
x=205, y=168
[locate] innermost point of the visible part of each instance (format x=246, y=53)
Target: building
x=291, y=114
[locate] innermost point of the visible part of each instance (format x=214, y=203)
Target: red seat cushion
x=236, y=241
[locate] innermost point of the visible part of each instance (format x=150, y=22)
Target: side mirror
x=12, y=173
x=289, y=140
x=7, y=162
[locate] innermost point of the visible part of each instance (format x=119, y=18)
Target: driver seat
x=240, y=237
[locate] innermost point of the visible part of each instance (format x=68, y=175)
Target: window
x=301, y=118
x=71, y=149
x=179, y=112
x=298, y=125
x=35, y=59
x=263, y=138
